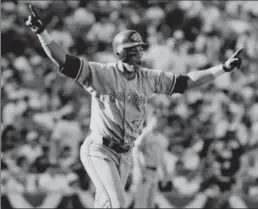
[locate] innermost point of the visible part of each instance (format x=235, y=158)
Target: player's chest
x=126, y=84
x=127, y=90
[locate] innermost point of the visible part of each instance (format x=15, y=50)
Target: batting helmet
x=125, y=40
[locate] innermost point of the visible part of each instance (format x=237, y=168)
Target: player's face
x=134, y=56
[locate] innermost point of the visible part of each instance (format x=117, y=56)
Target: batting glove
x=33, y=21
x=233, y=62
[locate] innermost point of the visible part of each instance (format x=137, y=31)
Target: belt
x=225, y=178
x=151, y=168
x=114, y=146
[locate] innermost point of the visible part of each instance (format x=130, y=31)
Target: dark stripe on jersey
x=181, y=84
x=89, y=79
x=80, y=70
x=71, y=67
x=173, y=85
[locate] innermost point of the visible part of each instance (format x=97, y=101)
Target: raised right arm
x=52, y=49
x=68, y=65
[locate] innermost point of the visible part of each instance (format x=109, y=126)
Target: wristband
x=44, y=38
x=225, y=68
x=217, y=71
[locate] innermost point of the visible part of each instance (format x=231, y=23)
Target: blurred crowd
x=45, y=116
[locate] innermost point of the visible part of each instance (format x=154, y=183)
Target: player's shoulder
x=110, y=64
x=102, y=65
x=149, y=72
x=146, y=70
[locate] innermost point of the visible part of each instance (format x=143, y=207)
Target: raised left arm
x=198, y=78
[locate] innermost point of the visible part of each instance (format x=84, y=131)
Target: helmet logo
x=136, y=37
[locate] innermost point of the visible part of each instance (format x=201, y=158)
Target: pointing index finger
x=238, y=52
x=33, y=11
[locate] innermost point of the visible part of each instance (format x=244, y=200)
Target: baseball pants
x=108, y=171
x=144, y=185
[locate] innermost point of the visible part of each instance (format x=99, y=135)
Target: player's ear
x=121, y=53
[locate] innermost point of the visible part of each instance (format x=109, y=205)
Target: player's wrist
x=39, y=27
x=40, y=30
x=217, y=71
x=44, y=38
x=226, y=68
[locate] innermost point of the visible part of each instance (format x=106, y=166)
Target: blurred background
x=45, y=116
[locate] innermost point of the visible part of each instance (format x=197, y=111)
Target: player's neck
x=127, y=70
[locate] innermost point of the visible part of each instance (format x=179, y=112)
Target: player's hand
x=233, y=62
x=33, y=21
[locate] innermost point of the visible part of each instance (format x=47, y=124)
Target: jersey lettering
x=120, y=96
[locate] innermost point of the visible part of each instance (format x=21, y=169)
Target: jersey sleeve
x=72, y=67
x=166, y=82
x=181, y=84
x=87, y=74
x=93, y=75
x=161, y=82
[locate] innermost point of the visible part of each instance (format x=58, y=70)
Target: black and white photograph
x=129, y=104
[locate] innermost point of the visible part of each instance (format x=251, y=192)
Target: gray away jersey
x=119, y=105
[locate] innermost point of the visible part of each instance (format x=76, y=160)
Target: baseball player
x=119, y=91
x=149, y=163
